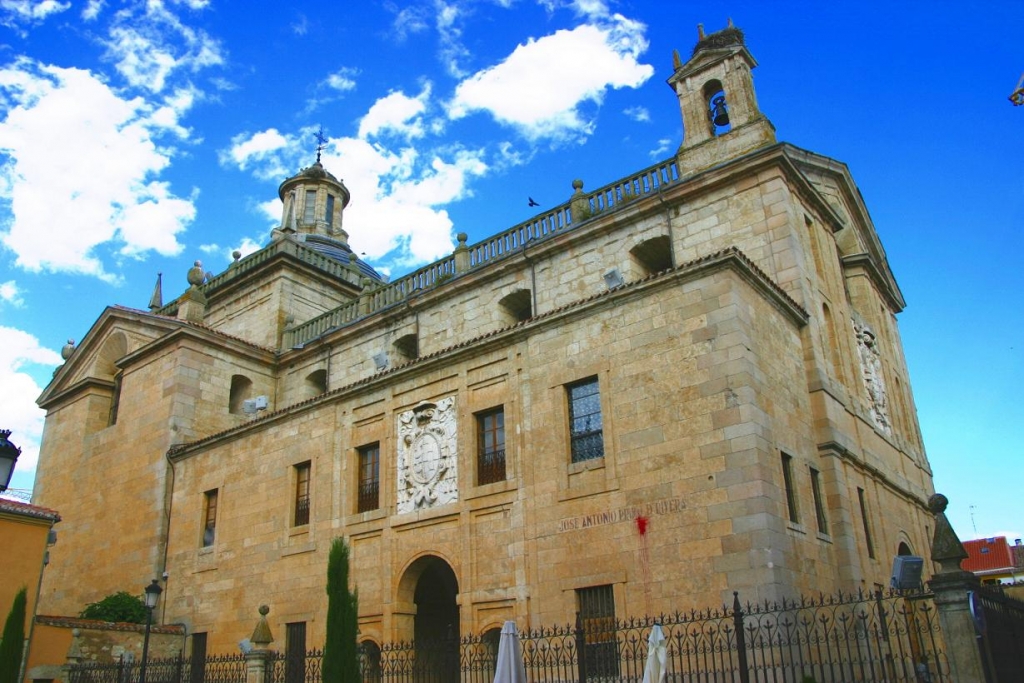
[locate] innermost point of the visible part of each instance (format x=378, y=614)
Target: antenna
x=973, y=507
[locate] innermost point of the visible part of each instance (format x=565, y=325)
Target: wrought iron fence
x=213, y=669
x=1001, y=623
x=830, y=639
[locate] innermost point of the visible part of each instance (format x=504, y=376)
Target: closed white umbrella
x=510, y=667
x=657, y=655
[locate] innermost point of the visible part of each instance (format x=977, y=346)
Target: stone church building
x=685, y=383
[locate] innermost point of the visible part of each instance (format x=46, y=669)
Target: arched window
x=716, y=107
x=241, y=391
x=518, y=305
x=369, y=661
x=653, y=255
x=316, y=383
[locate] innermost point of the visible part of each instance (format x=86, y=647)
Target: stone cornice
x=239, y=274
x=729, y=259
x=840, y=451
x=878, y=279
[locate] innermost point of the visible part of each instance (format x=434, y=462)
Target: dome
x=339, y=251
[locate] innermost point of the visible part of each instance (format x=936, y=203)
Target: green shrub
x=13, y=643
x=120, y=606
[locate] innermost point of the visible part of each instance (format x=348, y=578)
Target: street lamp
x=153, y=592
x=8, y=456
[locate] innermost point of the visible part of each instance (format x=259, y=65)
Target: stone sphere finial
x=577, y=185
x=462, y=237
x=196, y=275
x=236, y=254
x=68, y=349
x=938, y=503
x=264, y=610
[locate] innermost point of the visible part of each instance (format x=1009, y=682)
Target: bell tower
x=716, y=96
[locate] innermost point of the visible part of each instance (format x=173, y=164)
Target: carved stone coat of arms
x=427, y=456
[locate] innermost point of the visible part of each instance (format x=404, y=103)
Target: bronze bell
x=719, y=112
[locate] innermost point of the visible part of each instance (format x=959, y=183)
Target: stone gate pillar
x=257, y=660
x=953, y=587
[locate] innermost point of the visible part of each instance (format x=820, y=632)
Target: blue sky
x=137, y=137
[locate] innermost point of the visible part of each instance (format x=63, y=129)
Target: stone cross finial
x=261, y=636
x=947, y=549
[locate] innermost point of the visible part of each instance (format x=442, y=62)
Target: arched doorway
x=434, y=589
x=437, y=612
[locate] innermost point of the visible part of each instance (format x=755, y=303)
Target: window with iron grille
x=819, y=502
x=302, y=494
x=209, y=518
x=597, y=619
x=585, y=420
x=369, y=478
x=787, y=480
x=490, y=462
x=197, y=667
x=295, y=652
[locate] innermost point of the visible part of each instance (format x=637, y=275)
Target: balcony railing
x=369, y=496
x=301, y=510
x=491, y=466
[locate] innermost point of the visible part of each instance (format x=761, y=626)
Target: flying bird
x=532, y=203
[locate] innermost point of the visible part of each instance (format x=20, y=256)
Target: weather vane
x=321, y=141
x=1018, y=95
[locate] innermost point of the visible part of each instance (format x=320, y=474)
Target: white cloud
x=246, y=246
x=11, y=294
x=394, y=216
x=450, y=35
x=408, y=20
x=639, y=114
x=80, y=171
x=396, y=113
x=148, y=49
x=664, y=144
x=18, y=351
x=301, y=25
x=342, y=80
x=538, y=89
x=92, y=9
x=256, y=146
x=14, y=13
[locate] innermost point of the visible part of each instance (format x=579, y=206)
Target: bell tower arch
x=721, y=119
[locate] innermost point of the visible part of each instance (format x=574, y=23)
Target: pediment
x=117, y=333
x=708, y=58
x=853, y=228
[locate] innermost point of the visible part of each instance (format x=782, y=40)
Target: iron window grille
x=585, y=424
x=295, y=652
x=597, y=621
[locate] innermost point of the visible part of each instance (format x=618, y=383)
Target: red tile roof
x=27, y=510
x=988, y=555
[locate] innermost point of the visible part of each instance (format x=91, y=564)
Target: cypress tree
x=13, y=643
x=341, y=657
